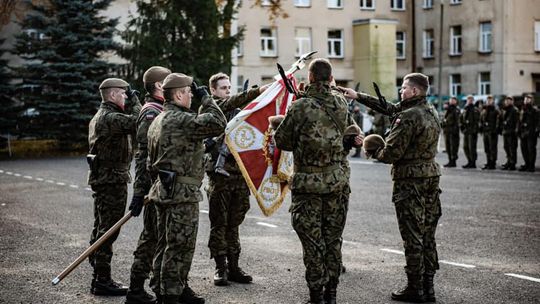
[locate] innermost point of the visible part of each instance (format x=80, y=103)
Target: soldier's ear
x=158, y=85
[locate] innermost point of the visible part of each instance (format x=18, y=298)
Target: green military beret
x=113, y=83
x=352, y=130
x=155, y=74
x=177, y=80
x=373, y=142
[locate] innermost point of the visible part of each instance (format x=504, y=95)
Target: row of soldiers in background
x=509, y=121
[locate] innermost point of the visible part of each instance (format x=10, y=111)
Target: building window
x=335, y=3
x=484, y=83
x=427, y=4
x=428, y=44
x=240, y=49
x=455, y=40
x=335, y=44
x=302, y=3
x=485, y=37
x=400, y=45
x=397, y=5
x=303, y=40
x=455, y=84
x=537, y=36
x=455, y=1
x=266, y=2
x=367, y=4
x=268, y=43
x=240, y=83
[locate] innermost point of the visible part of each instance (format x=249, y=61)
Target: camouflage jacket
x=152, y=107
x=411, y=146
x=313, y=131
x=528, y=122
x=489, y=119
x=175, y=143
x=508, y=121
x=451, y=120
x=469, y=120
x=228, y=106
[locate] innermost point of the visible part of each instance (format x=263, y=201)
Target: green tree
x=191, y=37
x=8, y=104
x=62, y=42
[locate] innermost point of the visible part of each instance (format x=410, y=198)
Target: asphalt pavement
x=488, y=239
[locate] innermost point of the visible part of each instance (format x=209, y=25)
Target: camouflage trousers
x=490, y=146
x=146, y=246
x=177, y=236
x=228, y=198
x=418, y=209
x=319, y=220
x=469, y=146
x=510, y=142
x=528, y=149
x=109, y=207
x=451, y=141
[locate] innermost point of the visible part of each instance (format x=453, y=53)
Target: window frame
x=404, y=43
x=454, y=85
x=456, y=41
x=363, y=5
x=485, y=38
x=329, y=4
x=332, y=41
x=299, y=51
x=394, y=7
x=482, y=85
x=426, y=43
x=302, y=5
x=536, y=36
x=273, y=37
x=427, y=4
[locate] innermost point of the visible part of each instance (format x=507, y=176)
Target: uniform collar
x=153, y=98
x=174, y=107
x=111, y=105
x=413, y=101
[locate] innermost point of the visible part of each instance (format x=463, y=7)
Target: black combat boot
x=467, y=166
x=220, y=275
x=315, y=296
x=330, y=293
x=170, y=299
x=189, y=296
x=429, y=291
x=236, y=274
x=472, y=165
x=450, y=164
x=413, y=292
x=486, y=166
x=136, y=293
x=106, y=286
x=493, y=165
x=523, y=168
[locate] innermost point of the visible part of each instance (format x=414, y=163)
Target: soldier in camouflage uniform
x=508, y=123
x=175, y=158
x=488, y=124
x=411, y=148
x=146, y=247
x=313, y=129
x=469, y=121
x=451, y=131
x=109, y=158
x=359, y=119
x=528, y=133
x=228, y=196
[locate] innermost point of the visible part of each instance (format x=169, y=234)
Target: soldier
x=508, y=121
x=146, y=247
x=411, y=148
x=451, y=132
x=175, y=157
x=109, y=159
x=228, y=196
x=359, y=119
x=488, y=124
x=528, y=133
x=313, y=129
x=380, y=123
x=469, y=121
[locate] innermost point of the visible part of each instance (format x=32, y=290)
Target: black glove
x=130, y=92
x=209, y=144
x=136, y=205
x=199, y=92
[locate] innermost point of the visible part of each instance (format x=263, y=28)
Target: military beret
x=177, y=80
x=352, y=130
x=373, y=142
x=113, y=83
x=155, y=74
x=275, y=121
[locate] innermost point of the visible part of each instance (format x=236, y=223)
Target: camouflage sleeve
x=210, y=121
x=284, y=135
x=397, y=141
x=143, y=182
x=239, y=100
x=374, y=103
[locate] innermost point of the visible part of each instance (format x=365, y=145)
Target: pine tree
x=61, y=43
x=191, y=37
x=8, y=104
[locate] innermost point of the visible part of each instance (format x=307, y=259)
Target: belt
x=315, y=169
x=188, y=180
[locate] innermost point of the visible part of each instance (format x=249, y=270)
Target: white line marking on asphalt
x=393, y=251
x=3, y=204
x=28, y=177
x=16, y=174
x=457, y=264
x=523, y=277
x=50, y=181
x=362, y=162
x=9, y=173
x=60, y=184
x=74, y=186
x=204, y=211
x=39, y=179
x=1, y=171
x=350, y=242
x=266, y=224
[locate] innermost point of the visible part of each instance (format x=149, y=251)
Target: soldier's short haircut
x=105, y=93
x=418, y=80
x=150, y=88
x=320, y=69
x=215, y=78
x=168, y=94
